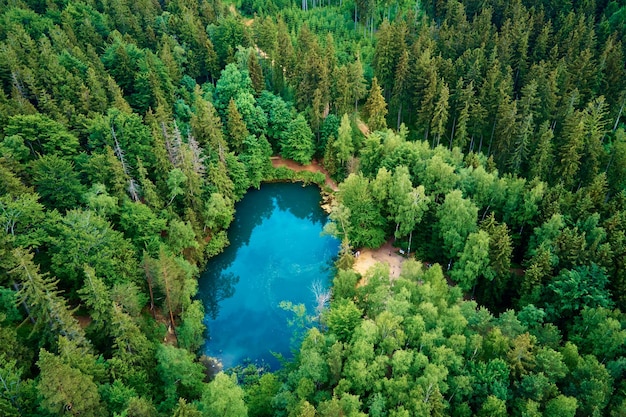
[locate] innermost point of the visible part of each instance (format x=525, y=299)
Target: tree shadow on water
x=215, y=290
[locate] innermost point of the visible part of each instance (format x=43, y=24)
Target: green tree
x=173, y=277
x=45, y=306
x=42, y=135
x=440, y=114
x=206, y=125
x=82, y=238
x=376, y=108
x=256, y=72
x=236, y=127
x=457, y=219
x=96, y=297
x=561, y=406
x=343, y=145
x=343, y=318
x=183, y=409
x=181, y=376
x=297, y=143
x=66, y=390
x=365, y=223
x=57, y=182
x=473, y=262
x=223, y=397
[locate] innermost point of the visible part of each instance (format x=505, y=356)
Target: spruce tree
x=236, y=127
x=376, y=108
x=256, y=72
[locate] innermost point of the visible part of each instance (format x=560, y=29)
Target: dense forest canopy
x=486, y=138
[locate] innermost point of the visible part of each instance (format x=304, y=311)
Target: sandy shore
x=386, y=254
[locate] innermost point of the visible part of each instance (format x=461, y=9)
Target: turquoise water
x=275, y=254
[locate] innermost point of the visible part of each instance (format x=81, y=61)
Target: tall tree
x=457, y=219
x=343, y=145
x=376, y=108
x=66, y=390
x=236, y=127
x=256, y=72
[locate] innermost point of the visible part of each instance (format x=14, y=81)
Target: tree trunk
x=408, y=252
x=149, y=280
x=399, y=115
x=452, y=133
x=169, y=302
x=618, y=116
x=493, y=130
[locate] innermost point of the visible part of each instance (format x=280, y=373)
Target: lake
x=276, y=253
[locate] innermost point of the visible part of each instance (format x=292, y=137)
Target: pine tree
x=66, y=390
x=440, y=114
x=400, y=85
x=96, y=297
x=505, y=130
x=44, y=304
x=571, y=150
x=206, y=125
x=358, y=86
x=424, y=86
x=341, y=90
x=376, y=108
x=595, y=127
x=256, y=72
x=236, y=127
x=543, y=157
x=526, y=127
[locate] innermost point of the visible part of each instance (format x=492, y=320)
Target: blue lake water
x=276, y=252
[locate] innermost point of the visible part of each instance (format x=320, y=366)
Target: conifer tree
x=206, y=125
x=376, y=108
x=440, y=114
x=358, y=86
x=236, y=127
x=571, y=149
x=343, y=145
x=464, y=97
x=400, y=85
x=96, y=297
x=256, y=72
x=542, y=159
x=66, y=390
x=44, y=304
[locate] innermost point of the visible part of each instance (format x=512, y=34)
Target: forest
x=485, y=138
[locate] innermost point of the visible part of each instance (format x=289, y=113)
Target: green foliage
x=57, y=182
x=65, y=389
x=191, y=332
x=507, y=165
x=223, y=397
x=297, y=142
x=181, y=376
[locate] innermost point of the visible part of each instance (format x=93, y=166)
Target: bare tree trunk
x=408, y=252
x=169, y=302
x=399, y=115
x=452, y=133
x=150, y=282
x=618, y=116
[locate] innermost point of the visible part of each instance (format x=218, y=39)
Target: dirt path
x=363, y=127
x=386, y=254
x=278, y=161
